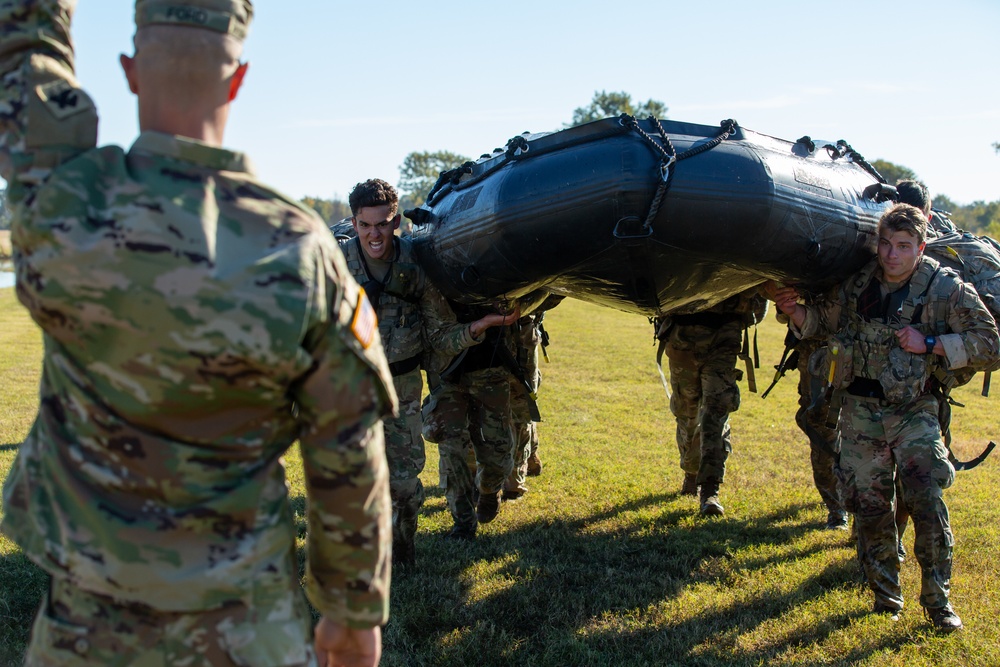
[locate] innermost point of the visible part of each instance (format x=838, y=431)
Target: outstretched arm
x=479, y=327
x=786, y=299
x=45, y=118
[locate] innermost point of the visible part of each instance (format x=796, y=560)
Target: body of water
x=6, y=273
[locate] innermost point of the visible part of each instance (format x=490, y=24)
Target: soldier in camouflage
x=196, y=324
x=812, y=418
x=915, y=193
x=902, y=324
x=469, y=408
x=528, y=339
x=702, y=349
x=416, y=325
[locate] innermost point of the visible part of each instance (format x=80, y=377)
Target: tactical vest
x=868, y=349
x=398, y=308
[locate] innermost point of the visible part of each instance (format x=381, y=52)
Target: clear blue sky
x=338, y=92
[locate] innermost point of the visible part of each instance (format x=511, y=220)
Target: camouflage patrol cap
x=230, y=17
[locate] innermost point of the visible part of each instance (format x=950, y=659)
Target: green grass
x=603, y=563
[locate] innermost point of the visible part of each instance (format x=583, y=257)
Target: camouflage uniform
x=824, y=447
x=528, y=339
x=703, y=349
x=471, y=408
x=196, y=323
x=889, y=419
x=414, y=320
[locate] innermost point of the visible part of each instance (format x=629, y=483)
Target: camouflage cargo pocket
x=833, y=364
x=904, y=376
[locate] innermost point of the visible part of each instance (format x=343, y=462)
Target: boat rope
x=452, y=176
x=844, y=149
x=669, y=157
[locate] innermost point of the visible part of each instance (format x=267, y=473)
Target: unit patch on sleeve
x=62, y=99
x=365, y=322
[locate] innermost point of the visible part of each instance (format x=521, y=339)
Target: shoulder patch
x=364, y=325
x=62, y=99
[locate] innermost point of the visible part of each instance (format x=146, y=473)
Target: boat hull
x=575, y=213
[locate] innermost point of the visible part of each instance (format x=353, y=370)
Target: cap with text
x=230, y=17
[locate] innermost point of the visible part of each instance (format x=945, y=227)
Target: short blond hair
x=905, y=218
x=184, y=60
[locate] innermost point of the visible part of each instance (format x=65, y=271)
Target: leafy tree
x=944, y=203
x=893, y=173
x=331, y=210
x=979, y=217
x=607, y=105
x=419, y=172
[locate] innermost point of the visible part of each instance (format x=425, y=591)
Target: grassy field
x=603, y=563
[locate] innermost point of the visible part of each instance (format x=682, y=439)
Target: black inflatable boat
x=647, y=216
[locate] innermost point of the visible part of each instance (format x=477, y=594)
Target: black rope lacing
x=669, y=156
x=452, y=176
x=844, y=149
x=517, y=147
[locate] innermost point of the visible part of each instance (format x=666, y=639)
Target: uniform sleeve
x=975, y=343
x=822, y=318
x=45, y=118
x=444, y=333
x=341, y=402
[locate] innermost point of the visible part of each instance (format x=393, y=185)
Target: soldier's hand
x=911, y=340
x=339, y=646
x=512, y=316
x=784, y=296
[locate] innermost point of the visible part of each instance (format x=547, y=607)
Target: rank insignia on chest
x=365, y=322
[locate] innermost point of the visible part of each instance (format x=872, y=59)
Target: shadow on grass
x=23, y=587
x=590, y=591
x=10, y=446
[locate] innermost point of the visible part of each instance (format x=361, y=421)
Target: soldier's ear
x=128, y=66
x=395, y=221
x=237, y=80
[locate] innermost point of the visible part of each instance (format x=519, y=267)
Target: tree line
x=420, y=170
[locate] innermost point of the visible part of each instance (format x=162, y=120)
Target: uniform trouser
x=877, y=442
x=77, y=628
x=525, y=436
x=525, y=442
x=405, y=454
x=824, y=446
x=703, y=394
x=480, y=401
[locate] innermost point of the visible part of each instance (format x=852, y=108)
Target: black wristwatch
x=930, y=342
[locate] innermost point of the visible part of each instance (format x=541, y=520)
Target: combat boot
x=534, y=465
x=836, y=520
x=404, y=533
x=710, y=505
x=463, y=533
x=488, y=506
x=404, y=553
x=514, y=493
x=690, y=485
x=944, y=619
x=891, y=612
